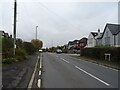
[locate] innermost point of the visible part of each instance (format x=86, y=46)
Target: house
x=92, y=38
x=73, y=46
x=70, y=44
x=83, y=42
x=111, y=35
x=76, y=44
x=3, y=34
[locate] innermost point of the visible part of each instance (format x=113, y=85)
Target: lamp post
x=36, y=32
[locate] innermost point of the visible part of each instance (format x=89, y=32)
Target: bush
x=9, y=61
x=20, y=54
x=29, y=48
x=98, y=53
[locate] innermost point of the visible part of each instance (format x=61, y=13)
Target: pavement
x=18, y=75
x=64, y=71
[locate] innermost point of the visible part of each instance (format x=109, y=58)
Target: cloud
x=59, y=22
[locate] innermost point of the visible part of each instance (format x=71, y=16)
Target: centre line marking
x=93, y=76
x=65, y=60
x=39, y=83
x=40, y=72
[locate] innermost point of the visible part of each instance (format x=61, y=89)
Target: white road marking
x=92, y=76
x=33, y=76
x=39, y=83
x=41, y=62
x=40, y=72
x=65, y=60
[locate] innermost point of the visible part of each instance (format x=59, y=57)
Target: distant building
x=73, y=46
x=92, y=38
x=70, y=44
x=83, y=42
x=3, y=34
x=76, y=45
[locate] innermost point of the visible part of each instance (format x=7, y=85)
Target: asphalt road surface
x=64, y=71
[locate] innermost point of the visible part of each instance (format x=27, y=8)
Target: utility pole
x=36, y=32
x=14, y=31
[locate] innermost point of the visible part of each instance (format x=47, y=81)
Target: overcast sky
x=58, y=22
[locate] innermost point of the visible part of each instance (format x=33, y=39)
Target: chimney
x=98, y=32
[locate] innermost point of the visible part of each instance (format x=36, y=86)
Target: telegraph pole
x=14, y=31
x=36, y=32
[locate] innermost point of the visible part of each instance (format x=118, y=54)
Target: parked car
x=58, y=51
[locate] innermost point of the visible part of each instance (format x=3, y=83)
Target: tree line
x=23, y=48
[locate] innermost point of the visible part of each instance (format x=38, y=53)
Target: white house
x=111, y=35
x=93, y=38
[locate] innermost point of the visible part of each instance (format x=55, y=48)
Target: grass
x=9, y=61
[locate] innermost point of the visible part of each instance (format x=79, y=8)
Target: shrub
x=20, y=54
x=98, y=53
x=9, y=61
x=29, y=48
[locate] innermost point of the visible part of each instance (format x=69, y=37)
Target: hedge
x=98, y=53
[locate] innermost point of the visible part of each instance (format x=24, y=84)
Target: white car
x=58, y=51
x=40, y=50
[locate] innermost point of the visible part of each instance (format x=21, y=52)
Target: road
x=51, y=70
x=64, y=71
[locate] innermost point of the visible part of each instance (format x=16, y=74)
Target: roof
x=76, y=41
x=83, y=40
x=2, y=31
x=100, y=36
x=70, y=43
x=94, y=33
x=114, y=28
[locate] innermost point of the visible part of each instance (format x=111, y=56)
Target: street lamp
x=36, y=32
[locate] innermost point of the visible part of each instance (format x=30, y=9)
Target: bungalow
x=111, y=35
x=92, y=38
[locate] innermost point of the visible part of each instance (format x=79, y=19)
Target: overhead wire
x=60, y=17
